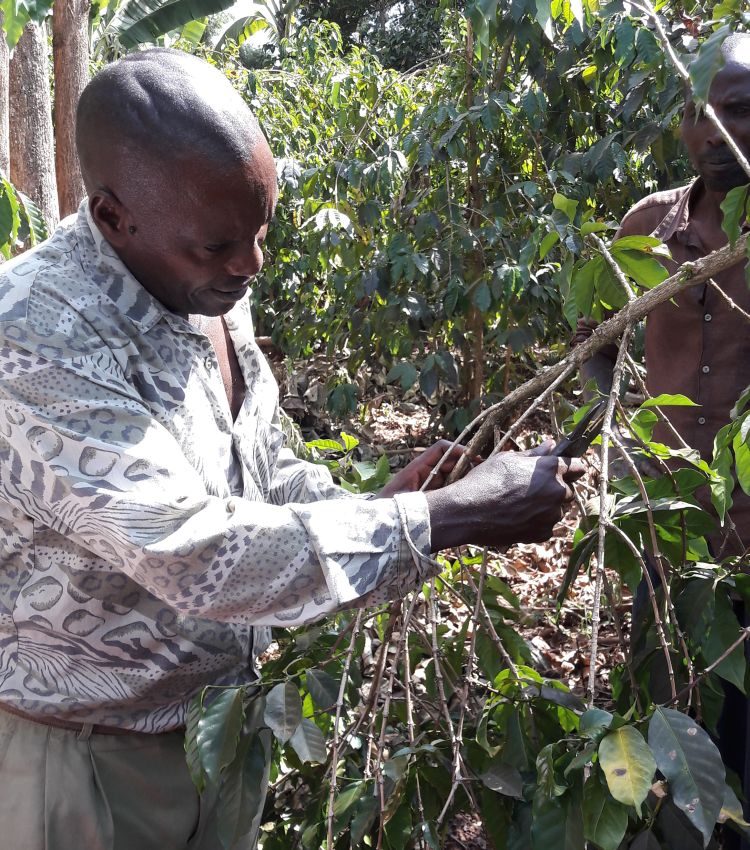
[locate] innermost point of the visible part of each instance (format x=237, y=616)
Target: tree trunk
x=70, y=49
x=4, y=103
x=32, y=156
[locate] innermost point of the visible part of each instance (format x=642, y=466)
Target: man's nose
x=246, y=261
x=713, y=136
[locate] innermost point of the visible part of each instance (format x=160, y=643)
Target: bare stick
x=744, y=635
x=456, y=778
x=646, y=394
x=604, y=511
x=732, y=304
x=335, y=742
x=513, y=430
x=657, y=553
x=660, y=630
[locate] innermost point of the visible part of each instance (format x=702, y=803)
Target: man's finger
x=570, y=469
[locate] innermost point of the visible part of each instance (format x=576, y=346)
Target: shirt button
x=231, y=507
x=705, y=369
x=707, y=317
x=701, y=420
x=208, y=362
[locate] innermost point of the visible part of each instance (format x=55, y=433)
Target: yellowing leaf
x=628, y=765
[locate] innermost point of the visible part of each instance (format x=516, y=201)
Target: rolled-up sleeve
x=82, y=455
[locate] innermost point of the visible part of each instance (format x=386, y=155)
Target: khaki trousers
x=67, y=790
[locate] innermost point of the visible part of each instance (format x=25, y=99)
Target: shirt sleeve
x=80, y=453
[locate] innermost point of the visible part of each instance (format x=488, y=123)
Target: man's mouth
x=719, y=161
x=234, y=291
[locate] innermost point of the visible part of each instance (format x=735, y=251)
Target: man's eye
x=214, y=249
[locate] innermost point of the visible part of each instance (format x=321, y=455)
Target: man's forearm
x=599, y=370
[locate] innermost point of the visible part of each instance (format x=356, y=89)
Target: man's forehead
x=733, y=78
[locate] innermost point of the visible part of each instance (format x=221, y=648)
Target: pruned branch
x=689, y=274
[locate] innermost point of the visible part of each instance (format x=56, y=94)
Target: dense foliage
x=427, y=221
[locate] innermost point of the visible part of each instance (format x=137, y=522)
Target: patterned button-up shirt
x=146, y=539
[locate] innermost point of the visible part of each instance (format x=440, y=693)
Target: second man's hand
x=511, y=498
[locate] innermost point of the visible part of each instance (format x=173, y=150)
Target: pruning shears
x=583, y=434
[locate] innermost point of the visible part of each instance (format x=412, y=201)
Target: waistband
x=81, y=728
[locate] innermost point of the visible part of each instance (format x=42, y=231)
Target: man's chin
x=717, y=181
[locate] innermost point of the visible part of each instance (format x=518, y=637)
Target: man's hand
x=511, y=498
x=412, y=477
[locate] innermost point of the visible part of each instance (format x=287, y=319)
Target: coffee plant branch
x=689, y=274
x=604, y=507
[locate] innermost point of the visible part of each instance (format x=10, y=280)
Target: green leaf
x=735, y=210
x=707, y=62
x=308, y=742
x=568, y=206
x=549, y=242
x=405, y=373
x=283, y=712
x=363, y=819
x=349, y=441
x=742, y=462
x=692, y=765
x=503, y=778
x=326, y=445
x=731, y=809
x=138, y=21
x=557, y=823
x=645, y=841
x=218, y=731
x=594, y=721
x=37, y=225
x=604, y=819
x=669, y=400
x=346, y=799
x=628, y=765
x=323, y=688
x=722, y=631
x=544, y=18
x=721, y=489
x=192, y=753
x=482, y=297
x=643, y=268
x=243, y=793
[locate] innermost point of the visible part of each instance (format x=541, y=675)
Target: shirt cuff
x=415, y=534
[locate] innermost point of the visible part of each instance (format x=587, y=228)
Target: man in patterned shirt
x=152, y=523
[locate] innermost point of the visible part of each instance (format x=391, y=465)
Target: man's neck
x=707, y=217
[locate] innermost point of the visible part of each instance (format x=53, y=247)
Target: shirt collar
x=676, y=223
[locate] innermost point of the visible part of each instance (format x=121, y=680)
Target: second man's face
x=709, y=153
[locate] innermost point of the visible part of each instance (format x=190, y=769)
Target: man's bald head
x=155, y=107
x=735, y=49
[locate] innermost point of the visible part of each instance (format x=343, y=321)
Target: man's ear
x=110, y=216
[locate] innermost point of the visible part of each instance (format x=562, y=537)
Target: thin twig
x=660, y=630
x=604, y=510
x=337, y=720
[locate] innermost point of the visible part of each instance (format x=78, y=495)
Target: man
x=152, y=525
x=698, y=344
